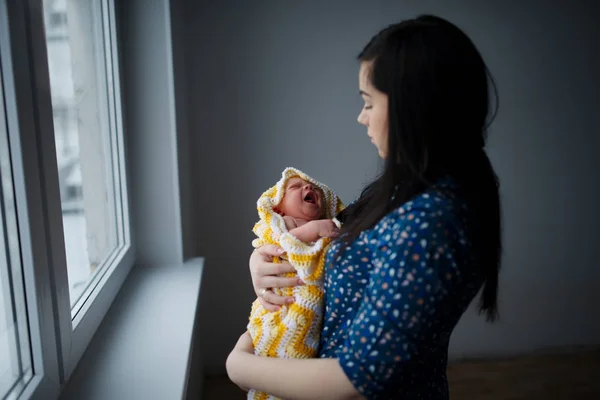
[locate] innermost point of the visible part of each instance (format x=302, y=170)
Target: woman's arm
x=317, y=378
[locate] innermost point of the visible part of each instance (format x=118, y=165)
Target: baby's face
x=302, y=200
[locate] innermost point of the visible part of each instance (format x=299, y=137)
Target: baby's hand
x=325, y=228
x=314, y=230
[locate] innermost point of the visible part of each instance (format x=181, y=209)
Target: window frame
x=58, y=342
x=11, y=274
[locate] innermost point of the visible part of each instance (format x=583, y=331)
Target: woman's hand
x=265, y=276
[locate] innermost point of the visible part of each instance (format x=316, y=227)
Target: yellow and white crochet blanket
x=294, y=330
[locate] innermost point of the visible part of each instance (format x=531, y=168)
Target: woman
x=418, y=244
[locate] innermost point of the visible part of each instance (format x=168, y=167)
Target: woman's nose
x=362, y=119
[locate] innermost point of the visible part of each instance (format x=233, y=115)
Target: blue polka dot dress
x=395, y=295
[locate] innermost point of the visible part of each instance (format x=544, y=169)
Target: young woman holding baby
x=418, y=244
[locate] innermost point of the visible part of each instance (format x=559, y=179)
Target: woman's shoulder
x=430, y=225
x=440, y=204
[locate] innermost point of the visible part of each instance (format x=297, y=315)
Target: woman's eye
x=368, y=107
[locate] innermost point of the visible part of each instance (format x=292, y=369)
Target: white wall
x=272, y=84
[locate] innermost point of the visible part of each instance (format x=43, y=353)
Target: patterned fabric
x=395, y=295
x=294, y=330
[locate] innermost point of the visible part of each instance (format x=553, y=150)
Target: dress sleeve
x=405, y=303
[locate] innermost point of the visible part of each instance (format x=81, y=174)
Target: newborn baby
x=298, y=215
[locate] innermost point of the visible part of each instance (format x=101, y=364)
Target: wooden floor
x=573, y=376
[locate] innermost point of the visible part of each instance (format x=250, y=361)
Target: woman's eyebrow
x=363, y=93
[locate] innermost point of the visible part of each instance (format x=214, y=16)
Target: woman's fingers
x=268, y=282
x=269, y=306
x=266, y=275
x=261, y=262
x=268, y=251
x=277, y=268
x=272, y=300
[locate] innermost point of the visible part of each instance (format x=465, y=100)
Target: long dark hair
x=439, y=103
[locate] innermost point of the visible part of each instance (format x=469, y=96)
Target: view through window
x=86, y=133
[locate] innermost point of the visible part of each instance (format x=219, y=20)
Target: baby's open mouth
x=311, y=197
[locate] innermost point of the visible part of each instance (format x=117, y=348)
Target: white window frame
x=58, y=340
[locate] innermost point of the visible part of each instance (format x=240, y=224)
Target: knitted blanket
x=294, y=330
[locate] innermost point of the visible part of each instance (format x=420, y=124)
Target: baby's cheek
x=323, y=207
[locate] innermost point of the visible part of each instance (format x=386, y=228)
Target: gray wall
x=153, y=132
x=274, y=84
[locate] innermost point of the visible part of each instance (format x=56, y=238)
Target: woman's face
x=374, y=114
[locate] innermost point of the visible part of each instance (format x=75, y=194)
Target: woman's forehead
x=364, y=76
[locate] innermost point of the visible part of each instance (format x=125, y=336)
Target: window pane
x=15, y=353
x=86, y=135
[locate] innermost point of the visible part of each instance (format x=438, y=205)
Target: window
x=65, y=245
x=87, y=140
x=15, y=356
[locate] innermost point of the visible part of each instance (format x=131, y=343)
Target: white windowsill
x=143, y=347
